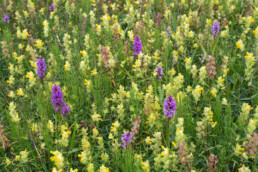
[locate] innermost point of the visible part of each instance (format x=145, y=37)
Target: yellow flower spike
x=208, y=21
x=221, y=80
x=238, y=44
x=254, y=31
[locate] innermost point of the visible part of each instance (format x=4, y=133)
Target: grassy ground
x=113, y=94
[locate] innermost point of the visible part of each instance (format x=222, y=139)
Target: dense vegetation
x=145, y=85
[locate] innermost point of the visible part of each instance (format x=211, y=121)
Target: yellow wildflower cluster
x=14, y=115
x=65, y=135
x=58, y=159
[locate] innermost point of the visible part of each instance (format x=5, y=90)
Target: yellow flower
x=96, y=117
x=214, y=92
x=75, y=170
x=67, y=66
x=221, y=80
x=85, y=82
x=145, y=166
x=48, y=75
x=94, y=72
x=57, y=158
x=103, y=169
x=175, y=53
x=240, y=45
x=20, y=92
x=200, y=90
x=28, y=75
x=39, y=43
x=83, y=53
x=7, y=161
x=255, y=32
x=208, y=21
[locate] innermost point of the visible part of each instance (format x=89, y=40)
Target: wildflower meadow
x=128, y=85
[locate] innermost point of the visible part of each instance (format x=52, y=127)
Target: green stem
x=216, y=42
x=167, y=140
x=42, y=81
x=59, y=120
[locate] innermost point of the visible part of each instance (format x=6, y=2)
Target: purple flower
x=41, y=67
x=58, y=101
x=215, y=28
x=126, y=138
x=6, y=18
x=52, y=7
x=65, y=110
x=169, y=107
x=159, y=72
x=137, y=45
x=57, y=98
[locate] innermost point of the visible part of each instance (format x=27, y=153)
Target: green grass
x=123, y=88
